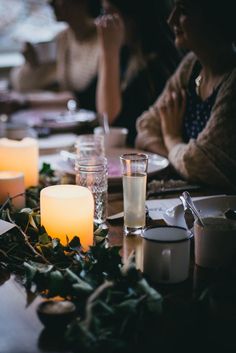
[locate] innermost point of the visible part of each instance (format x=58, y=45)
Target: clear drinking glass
x=92, y=173
x=90, y=145
x=134, y=177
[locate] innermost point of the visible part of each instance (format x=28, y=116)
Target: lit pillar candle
x=66, y=211
x=21, y=156
x=12, y=184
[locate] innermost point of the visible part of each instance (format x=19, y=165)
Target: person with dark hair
x=193, y=122
x=76, y=64
x=137, y=56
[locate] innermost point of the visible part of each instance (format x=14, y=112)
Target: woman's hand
x=171, y=115
x=30, y=54
x=111, y=32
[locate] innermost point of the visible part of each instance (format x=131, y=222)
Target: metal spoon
x=105, y=123
x=192, y=207
x=188, y=214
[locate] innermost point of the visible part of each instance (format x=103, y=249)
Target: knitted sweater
x=75, y=67
x=211, y=158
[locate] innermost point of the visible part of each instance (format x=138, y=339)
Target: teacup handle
x=165, y=264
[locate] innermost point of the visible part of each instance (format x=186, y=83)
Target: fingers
x=107, y=21
x=174, y=102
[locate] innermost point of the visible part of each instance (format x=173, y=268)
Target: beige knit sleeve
x=149, y=135
x=211, y=158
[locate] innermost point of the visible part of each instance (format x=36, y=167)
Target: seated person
x=137, y=56
x=193, y=121
x=75, y=68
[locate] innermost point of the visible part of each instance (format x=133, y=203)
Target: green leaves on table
x=117, y=310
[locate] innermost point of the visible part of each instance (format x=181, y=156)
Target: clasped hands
x=171, y=112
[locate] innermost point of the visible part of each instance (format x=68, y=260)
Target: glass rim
x=134, y=156
x=91, y=161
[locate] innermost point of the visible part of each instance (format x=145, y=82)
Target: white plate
x=208, y=206
x=54, y=119
x=55, y=143
x=156, y=163
x=67, y=119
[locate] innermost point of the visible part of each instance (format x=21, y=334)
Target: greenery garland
x=116, y=308
x=112, y=300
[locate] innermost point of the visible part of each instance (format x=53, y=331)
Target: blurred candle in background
x=66, y=211
x=21, y=156
x=12, y=184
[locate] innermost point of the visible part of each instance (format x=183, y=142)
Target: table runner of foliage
x=117, y=310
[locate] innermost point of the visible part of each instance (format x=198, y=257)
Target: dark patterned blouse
x=197, y=110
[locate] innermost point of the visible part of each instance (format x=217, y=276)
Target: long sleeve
x=211, y=158
x=148, y=124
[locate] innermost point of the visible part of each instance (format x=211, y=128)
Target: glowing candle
x=12, y=184
x=66, y=211
x=21, y=156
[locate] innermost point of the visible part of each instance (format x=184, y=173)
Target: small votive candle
x=21, y=156
x=67, y=211
x=12, y=184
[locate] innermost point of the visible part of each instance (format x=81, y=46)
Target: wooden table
x=20, y=329
x=22, y=332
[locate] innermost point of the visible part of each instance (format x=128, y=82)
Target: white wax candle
x=12, y=184
x=68, y=210
x=21, y=156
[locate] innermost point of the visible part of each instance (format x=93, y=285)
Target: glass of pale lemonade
x=134, y=177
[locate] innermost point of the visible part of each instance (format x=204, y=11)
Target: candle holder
x=20, y=156
x=67, y=211
x=12, y=185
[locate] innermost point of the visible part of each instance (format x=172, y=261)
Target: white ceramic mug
x=46, y=51
x=215, y=243
x=115, y=138
x=166, y=254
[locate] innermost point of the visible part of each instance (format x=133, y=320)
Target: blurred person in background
x=137, y=56
x=76, y=63
x=193, y=122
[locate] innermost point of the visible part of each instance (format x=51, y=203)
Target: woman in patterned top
x=193, y=122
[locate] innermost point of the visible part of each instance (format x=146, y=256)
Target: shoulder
x=63, y=35
x=229, y=83
x=184, y=70
x=226, y=94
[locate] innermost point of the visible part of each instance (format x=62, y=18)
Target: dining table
x=21, y=331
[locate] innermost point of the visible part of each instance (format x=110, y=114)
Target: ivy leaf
x=46, y=170
x=44, y=239
x=82, y=288
x=30, y=214
x=56, y=283
x=154, y=299
x=31, y=271
x=128, y=306
x=75, y=243
x=21, y=219
x=72, y=277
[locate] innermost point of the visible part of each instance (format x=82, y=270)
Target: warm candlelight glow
x=68, y=210
x=12, y=184
x=21, y=156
